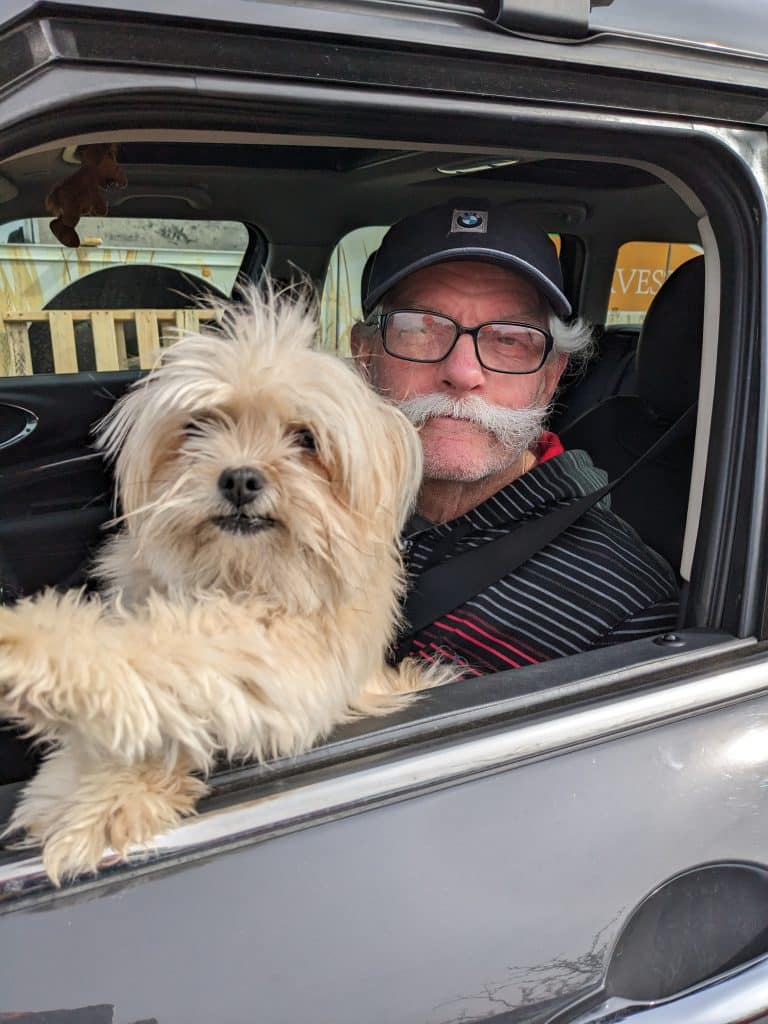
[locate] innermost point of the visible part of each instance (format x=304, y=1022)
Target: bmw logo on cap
x=470, y=220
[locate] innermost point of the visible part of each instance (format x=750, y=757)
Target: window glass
x=109, y=304
x=341, y=300
x=641, y=269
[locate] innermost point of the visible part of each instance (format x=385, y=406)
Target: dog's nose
x=240, y=486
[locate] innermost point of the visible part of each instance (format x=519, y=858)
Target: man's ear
x=554, y=368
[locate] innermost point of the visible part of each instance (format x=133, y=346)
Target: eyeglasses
x=421, y=336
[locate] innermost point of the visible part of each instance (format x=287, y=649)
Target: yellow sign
x=641, y=269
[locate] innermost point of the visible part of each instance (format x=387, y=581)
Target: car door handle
x=737, y=997
x=16, y=423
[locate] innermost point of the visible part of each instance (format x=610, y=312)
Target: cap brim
x=550, y=291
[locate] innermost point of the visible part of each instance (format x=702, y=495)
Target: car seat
x=610, y=371
x=616, y=432
x=123, y=286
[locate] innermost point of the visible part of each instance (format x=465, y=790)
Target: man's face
x=471, y=293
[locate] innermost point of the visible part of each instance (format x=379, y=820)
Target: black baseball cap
x=466, y=229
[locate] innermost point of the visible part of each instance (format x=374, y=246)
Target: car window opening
x=142, y=271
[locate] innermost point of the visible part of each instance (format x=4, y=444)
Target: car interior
x=295, y=200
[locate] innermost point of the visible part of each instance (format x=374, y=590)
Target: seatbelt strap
x=452, y=583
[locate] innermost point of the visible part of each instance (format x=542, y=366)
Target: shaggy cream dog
x=249, y=597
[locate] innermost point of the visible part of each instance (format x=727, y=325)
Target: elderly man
x=465, y=331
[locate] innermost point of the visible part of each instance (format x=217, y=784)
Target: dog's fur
x=249, y=632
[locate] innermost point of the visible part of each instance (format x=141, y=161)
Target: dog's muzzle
x=242, y=524
x=239, y=486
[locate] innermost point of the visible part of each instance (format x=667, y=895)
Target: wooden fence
x=96, y=337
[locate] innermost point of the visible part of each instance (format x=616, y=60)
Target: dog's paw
x=53, y=685
x=18, y=643
x=21, y=674
x=34, y=634
x=70, y=845
x=115, y=814
x=72, y=851
x=158, y=803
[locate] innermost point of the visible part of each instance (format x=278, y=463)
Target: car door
x=582, y=839
x=56, y=490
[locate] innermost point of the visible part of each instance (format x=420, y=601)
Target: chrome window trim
x=408, y=774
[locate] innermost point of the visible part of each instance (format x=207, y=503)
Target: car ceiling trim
x=404, y=775
x=87, y=98
x=118, y=95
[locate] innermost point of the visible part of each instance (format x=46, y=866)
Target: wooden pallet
x=154, y=329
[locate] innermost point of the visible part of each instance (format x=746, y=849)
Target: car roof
x=739, y=26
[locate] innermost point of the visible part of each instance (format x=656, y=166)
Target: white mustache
x=516, y=429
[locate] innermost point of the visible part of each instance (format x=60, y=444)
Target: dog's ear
x=401, y=466
x=131, y=437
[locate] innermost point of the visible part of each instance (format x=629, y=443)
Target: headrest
x=365, y=277
x=669, y=349
x=133, y=286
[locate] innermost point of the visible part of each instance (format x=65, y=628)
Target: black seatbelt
x=452, y=583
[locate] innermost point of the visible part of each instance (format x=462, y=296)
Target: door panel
x=500, y=897
x=55, y=491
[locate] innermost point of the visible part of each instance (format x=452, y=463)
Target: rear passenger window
x=112, y=302
x=341, y=302
x=641, y=269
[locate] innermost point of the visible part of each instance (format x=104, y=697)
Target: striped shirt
x=596, y=584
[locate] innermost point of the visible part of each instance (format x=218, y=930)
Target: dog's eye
x=305, y=439
x=197, y=426
x=193, y=428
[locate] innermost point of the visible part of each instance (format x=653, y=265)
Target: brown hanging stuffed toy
x=80, y=194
